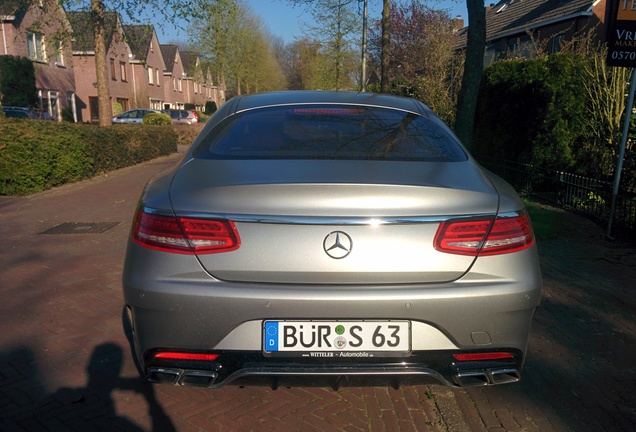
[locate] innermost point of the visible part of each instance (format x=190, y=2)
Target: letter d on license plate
x=390, y=338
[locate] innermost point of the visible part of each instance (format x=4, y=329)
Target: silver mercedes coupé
x=330, y=237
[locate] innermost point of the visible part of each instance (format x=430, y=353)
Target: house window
x=35, y=46
x=158, y=81
x=54, y=108
x=113, y=71
x=122, y=71
x=513, y=49
x=151, y=76
x=557, y=43
x=180, y=85
x=59, y=54
x=125, y=105
x=93, y=105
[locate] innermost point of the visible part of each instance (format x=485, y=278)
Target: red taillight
x=185, y=235
x=185, y=356
x=485, y=236
x=483, y=356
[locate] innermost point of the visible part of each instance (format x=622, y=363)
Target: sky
x=285, y=20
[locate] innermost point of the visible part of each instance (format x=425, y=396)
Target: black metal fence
x=590, y=196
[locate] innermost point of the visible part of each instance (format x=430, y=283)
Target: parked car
x=311, y=235
x=183, y=116
x=19, y=112
x=134, y=115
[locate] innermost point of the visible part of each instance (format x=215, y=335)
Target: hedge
x=38, y=155
x=532, y=111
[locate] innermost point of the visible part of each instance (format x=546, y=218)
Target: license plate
x=337, y=338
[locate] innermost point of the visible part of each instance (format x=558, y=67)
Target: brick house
x=147, y=67
x=200, y=85
x=194, y=81
x=142, y=73
x=173, y=78
x=118, y=58
x=518, y=28
x=40, y=31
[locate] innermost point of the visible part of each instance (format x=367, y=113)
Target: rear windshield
x=330, y=132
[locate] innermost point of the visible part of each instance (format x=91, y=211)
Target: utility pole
x=363, y=78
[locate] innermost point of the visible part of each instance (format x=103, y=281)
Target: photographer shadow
x=27, y=406
x=104, y=369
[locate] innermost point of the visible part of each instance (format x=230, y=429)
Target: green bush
x=47, y=154
x=157, y=119
x=40, y=156
x=531, y=111
x=186, y=134
x=117, y=147
x=17, y=82
x=117, y=108
x=210, y=107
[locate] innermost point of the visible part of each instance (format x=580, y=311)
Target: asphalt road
x=65, y=362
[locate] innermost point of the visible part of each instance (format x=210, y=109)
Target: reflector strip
x=483, y=356
x=185, y=356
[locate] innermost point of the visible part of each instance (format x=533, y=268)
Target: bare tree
x=298, y=62
x=473, y=70
x=233, y=40
x=421, y=60
x=386, y=46
x=605, y=88
x=339, y=28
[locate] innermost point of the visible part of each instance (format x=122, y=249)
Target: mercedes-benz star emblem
x=337, y=244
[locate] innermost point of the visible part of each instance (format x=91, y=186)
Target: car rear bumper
x=189, y=311
x=249, y=368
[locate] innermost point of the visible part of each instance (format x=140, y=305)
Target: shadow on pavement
x=26, y=406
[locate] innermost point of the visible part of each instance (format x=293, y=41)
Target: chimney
x=457, y=23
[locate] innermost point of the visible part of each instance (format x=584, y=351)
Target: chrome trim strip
x=321, y=220
x=336, y=221
x=327, y=220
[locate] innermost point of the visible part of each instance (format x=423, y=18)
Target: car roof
x=243, y=103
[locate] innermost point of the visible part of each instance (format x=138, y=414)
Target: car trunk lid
x=385, y=214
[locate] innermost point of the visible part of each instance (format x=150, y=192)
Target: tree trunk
x=473, y=70
x=386, y=44
x=101, y=65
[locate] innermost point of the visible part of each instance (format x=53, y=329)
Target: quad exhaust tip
x=484, y=377
x=191, y=378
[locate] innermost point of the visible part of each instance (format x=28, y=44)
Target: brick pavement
x=65, y=362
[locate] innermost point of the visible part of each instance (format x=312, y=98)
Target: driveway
x=65, y=361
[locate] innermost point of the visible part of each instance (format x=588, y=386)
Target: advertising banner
x=621, y=32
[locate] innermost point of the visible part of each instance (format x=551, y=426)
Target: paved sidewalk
x=65, y=362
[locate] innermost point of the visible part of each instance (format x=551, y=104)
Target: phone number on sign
x=623, y=55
